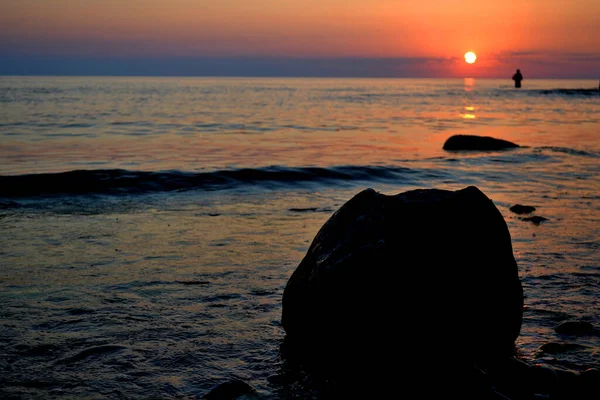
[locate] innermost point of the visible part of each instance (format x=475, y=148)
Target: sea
x=148, y=226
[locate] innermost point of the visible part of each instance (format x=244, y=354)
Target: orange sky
x=497, y=30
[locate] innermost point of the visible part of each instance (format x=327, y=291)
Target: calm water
x=157, y=269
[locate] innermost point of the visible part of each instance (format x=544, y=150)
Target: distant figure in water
x=517, y=77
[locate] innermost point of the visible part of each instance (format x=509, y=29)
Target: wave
x=357, y=97
x=572, y=152
x=131, y=182
x=571, y=92
x=123, y=182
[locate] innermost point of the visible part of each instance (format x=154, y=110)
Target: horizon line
x=342, y=67
x=83, y=75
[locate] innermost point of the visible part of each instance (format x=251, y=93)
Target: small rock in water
x=544, y=379
x=572, y=327
x=566, y=376
x=230, y=390
x=521, y=209
x=307, y=209
x=557, y=348
x=474, y=142
x=189, y=283
x=592, y=373
x=536, y=219
x=590, y=379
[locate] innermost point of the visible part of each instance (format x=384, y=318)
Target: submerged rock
x=590, y=380
x=393, y=282
x=540, y=381
x=536, y=219
x=473, y=142
x=520, y=209
x=543, y=379
x=558, y=348
x=574, y=327
x=230, y=390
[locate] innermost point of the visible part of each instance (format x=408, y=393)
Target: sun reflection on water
x=469, y=84
x=469, y=113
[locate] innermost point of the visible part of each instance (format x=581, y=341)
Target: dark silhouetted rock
x=480, y=143
x=391, y=283
x=190, y=283
x=590, y=382
x=516, y=379
x=520, y=209
x=573, y=327
x=543, y=379
x=536, y=219
x=558, y=348
x=229, y=390
x=512, y=376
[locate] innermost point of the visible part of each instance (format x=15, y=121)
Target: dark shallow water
x=154, y=267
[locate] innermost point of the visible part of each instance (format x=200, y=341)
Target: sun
x=470, y=57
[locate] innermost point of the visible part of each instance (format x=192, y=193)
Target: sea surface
x=148, y=226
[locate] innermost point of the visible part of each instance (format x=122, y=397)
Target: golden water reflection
x=469, y=113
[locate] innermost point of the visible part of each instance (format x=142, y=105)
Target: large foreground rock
x=424, y=281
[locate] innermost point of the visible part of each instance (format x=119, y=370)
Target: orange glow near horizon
x=432, y=29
